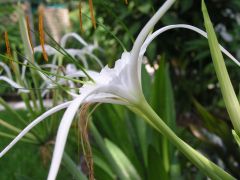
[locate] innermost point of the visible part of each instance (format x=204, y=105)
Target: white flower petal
x=71, y=68
x=34, y=123
x=7, y=70
x=73, y=35
x=184, y=26
x=95, y=58
x=135, y=70
x=49, y=50
x=13, y=84
x=63, y=133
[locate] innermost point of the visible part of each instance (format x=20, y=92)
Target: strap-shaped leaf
x=227, y=90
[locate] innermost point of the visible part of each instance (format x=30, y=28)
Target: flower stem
x=206, y=166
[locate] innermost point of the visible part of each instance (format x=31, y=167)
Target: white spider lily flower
x=81, y=53
x=118, y=85
x=111, y=85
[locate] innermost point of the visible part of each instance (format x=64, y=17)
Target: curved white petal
x=95, y=58
x=7, y=70
x=24, y=67
x=183, y=26
x=105, y=98
x=67, y=121
x=73, y=35
x=134, y=63
x=63, y=133
x=49, y=49
x=44, y=92
x=71, y=68
x=74, y=95
x=52, y=66
x=34, y=123
x=13, y=84
x=62, y=136
x=83, y=59
x=55, y=58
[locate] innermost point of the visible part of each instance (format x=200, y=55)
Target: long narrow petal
x=73, y=35
x=7, y=69
x=183, y=26
x=13, y=84
x=65, y=126
x=140, y=40
x=95, y=58
x=62, y=136
x=34, y=123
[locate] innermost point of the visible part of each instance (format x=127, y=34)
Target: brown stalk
x=9, y=54
x=83, y=124
x=92, y=14
x=29, y=32
x=41, y=33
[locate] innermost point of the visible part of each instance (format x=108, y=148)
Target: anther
x=41, y=33
x=92, y=14
x=29, y=32
x=8, y=49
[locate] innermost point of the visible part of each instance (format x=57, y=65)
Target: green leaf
x=163, y=104
x=72, y=167
x=236, y=137
x=210, y=121
x=101, y=163
x=124, y=163
x=154, y=166
x=227, y=90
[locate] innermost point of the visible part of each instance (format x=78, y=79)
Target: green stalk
x=18, y=77
x=56, y=93
x=229, y=96
x=20, y=81
x=206, y=166
x=72, y=168
x=29, y=55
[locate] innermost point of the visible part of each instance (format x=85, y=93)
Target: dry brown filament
x=83, y=124
x=7, y=43
x=126, y=1
x=8, y=49
x=29, y=32
x=41, y=33
x=92, y=14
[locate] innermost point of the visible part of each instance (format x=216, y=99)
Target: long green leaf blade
x=227, y=90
